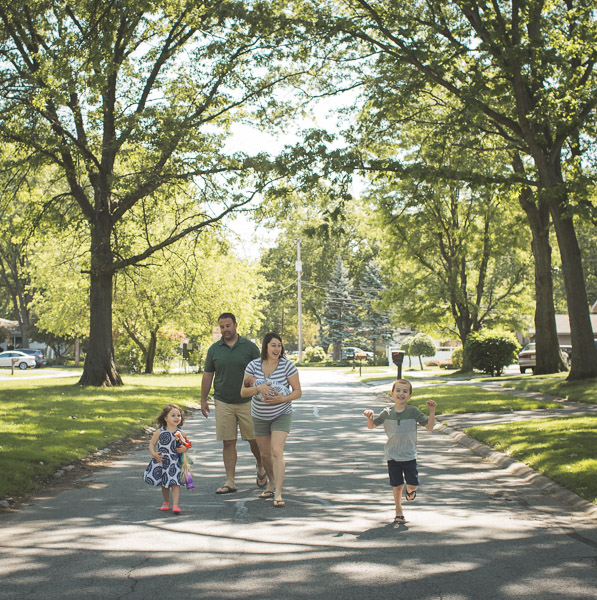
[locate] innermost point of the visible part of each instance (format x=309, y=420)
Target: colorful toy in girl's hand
x=189, y=481
x=183, y=440
x=185, y=463
x=185, y=472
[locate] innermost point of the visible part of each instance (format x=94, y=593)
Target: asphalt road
x=475, y=531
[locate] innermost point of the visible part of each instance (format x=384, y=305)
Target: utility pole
x=299, y=270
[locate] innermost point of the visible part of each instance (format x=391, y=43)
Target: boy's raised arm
x=369, y=414
x=431, y=422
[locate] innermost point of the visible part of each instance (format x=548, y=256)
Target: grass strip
x=584, y=390
x=458, y=399
x=561, y=449
x=48, y=423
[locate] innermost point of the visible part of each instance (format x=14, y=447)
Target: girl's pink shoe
x=165, y=506
x=176, y=509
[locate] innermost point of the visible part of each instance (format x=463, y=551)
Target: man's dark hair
x=227, y=316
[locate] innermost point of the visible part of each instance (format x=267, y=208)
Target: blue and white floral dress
x=167, y=473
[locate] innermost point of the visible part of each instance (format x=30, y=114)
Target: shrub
x=491, y=351
x=457, y=357
x=314, y=354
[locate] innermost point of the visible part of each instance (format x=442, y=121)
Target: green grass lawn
x=456, y=399
x=48, y=423
x=574, y=391
x=562, y=449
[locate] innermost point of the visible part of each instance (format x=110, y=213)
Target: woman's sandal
x=265, y=495
x=279, y=503
x=176, y=509
x=165, y=506
x=399, y=519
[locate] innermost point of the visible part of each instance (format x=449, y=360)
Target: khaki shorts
x=230, y=418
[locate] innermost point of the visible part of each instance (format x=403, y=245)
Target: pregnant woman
x=273, y=382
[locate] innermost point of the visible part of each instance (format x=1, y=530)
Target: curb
x=503, y=461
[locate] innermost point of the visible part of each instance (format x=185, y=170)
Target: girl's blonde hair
x=161, y=418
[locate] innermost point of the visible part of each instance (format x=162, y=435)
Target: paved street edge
x=520, y=469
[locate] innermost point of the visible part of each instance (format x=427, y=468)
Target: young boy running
x=400, y=424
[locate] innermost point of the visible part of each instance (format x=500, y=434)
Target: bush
x=457, y=357
x=491, y=351
x=314, y=354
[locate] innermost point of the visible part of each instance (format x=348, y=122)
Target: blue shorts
x=399, y=471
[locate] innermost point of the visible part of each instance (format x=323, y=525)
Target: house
x=563, y=327
x=14, y=334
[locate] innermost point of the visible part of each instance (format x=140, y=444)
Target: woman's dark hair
x=161, y=418
x=266, y=340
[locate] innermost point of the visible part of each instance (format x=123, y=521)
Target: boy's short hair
x=410, y=385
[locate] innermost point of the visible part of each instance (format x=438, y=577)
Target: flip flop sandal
x=265, y=495
x=226, y=489
x=261, y=480
x=411, y=495
x=279, y=503
x=399, y=519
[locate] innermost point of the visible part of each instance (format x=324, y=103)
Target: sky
x=251, y=240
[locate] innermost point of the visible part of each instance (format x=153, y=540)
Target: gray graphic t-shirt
x=401, y=429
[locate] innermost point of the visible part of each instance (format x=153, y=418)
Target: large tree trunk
x=100, y=369
x=584, y=353
x=546, y=336
x=151, y=350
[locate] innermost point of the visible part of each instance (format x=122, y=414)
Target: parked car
x=568, y=351
x=527, y=358
x=40, y=359
x=23, y=361
x=351, y=353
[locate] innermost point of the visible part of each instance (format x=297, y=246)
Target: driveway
x=475, y=531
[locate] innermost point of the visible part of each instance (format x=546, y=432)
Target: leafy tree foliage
x=339, y=315
x=421, y=345
x=131, y=102
x=454, y=257
x=21, y=205
x=373, y=321
x=325, y=234
x=525, y=70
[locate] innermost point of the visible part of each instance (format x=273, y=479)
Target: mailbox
x=397, y=358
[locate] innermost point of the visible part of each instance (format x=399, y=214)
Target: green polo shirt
x=228, y=364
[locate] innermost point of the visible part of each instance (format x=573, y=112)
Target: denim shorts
x=399, y=471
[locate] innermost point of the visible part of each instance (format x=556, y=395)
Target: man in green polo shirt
x=227, y=360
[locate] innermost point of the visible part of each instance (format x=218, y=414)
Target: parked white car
x=351, y=352
x=23, y=361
